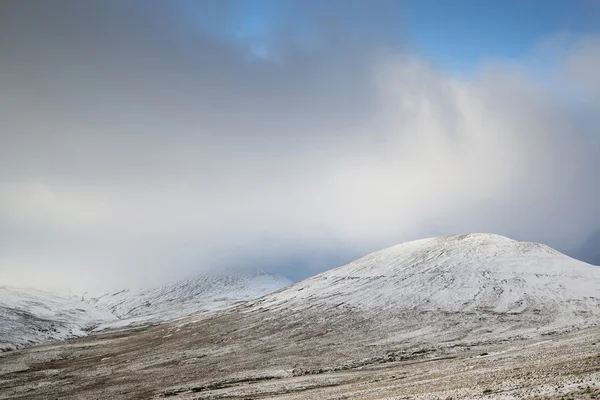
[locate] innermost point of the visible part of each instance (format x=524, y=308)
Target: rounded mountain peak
x=474, y=273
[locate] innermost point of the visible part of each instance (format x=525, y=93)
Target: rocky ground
x=234, y=355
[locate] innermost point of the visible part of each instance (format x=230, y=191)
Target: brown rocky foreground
x=250, y=356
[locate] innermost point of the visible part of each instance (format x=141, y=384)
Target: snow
x=474, y=275
x=29, y=316
x=476, y=286
x=435, y=318
x=201, y=294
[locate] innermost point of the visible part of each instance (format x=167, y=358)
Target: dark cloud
x=590, y=251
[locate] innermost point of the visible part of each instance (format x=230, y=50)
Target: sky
x=142, y=141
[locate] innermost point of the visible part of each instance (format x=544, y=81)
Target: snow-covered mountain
x=29, y=316
x=436, y=318
x=203, y=293
x=442, y=288
x=464, y=288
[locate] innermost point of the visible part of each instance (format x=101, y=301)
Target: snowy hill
x=454, y=298
x=432, y=319
x=29, y=316
x=445, y=288
x=203, y=293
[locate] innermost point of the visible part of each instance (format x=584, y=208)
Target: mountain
x=461, y=317
x=200, y=294
x=29, y=316
x=475, y=286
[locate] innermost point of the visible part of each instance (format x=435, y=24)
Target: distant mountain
x=203, y=293
x=29, y=316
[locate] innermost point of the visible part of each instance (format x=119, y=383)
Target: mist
x=138, y=145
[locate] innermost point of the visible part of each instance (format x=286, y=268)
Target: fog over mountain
x=144, y=141
x=590, y=251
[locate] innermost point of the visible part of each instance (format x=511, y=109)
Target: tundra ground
x=226, y=356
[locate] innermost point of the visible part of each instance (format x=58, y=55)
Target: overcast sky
x=142, y=141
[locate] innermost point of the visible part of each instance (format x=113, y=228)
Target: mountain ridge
x=484, y=279
x=471, y=316
x=199, y=294
x=473, y=286
x=30, y=316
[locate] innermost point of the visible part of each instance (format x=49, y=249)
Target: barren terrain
x=220, y=357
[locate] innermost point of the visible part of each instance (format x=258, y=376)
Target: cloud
x=137, y=147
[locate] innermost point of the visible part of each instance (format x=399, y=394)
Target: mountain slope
x=203, y=293
x=29, y=316
x=437, y=318
x=478, y=285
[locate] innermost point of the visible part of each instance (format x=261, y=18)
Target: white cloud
x=205, y=162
